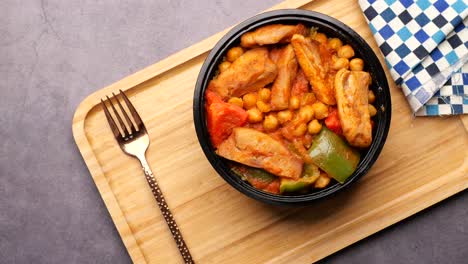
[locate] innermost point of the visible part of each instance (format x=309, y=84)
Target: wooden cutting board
x=424, y=161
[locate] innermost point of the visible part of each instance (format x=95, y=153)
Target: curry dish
x=291, y=109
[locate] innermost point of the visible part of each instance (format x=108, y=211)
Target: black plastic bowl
x=332, y=28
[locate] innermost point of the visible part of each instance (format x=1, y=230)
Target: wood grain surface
x=424, y=161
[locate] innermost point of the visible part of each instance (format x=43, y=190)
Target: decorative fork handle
x=166, y=212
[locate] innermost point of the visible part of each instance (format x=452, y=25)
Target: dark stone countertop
x=52, y=55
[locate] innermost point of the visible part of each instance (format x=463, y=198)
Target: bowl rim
x=286, y=16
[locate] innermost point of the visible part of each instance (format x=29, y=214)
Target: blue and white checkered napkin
x=425, y=45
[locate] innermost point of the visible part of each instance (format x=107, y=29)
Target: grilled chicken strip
x=281, y=89
x=315, y=60
x=272, y=34
x=251, y=71
x=256, y=149
x=351, y=88
x=275, y=54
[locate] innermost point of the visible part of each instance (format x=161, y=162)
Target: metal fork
x=134, y=141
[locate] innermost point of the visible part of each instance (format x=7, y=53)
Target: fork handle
x=166, y=212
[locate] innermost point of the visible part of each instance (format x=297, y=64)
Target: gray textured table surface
x=53, y=54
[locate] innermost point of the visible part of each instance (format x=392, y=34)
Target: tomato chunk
x=222, y=117
x=333, y=122
x=212, y=97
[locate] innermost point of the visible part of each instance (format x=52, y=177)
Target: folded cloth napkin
x=425, y=45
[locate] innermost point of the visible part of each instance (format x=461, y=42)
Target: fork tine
x=129, y=122
x=122, y=124
x=111, y=121
x=134, y=112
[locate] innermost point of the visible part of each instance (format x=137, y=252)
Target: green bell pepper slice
x=309, y=175
x=333, y=155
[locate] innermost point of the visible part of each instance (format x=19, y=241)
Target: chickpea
x=254, y=115
x=294, y=102
x=371, y=97
x=234, y=53
x=372, y=110
x=306, y=113
x=300, y=130
x=346, y=51
x=320, y=110
x=270, y=123
x=356, y=64
x=264, y=94
x=250, y=100
x=322, y=181
x=224, y=66
x=340, y=63
x=236, y=101
x=322, y=38
x=285, y=116
x=264, y=107
x=335, y=43
x=308, y=99
x=314, y=127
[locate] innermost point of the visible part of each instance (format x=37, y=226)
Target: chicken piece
x=272, y=34
x=251, y=71
x=256, y=149
x=275, y=54
x=281, y=89
x=315, y=59
x=351, y=88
